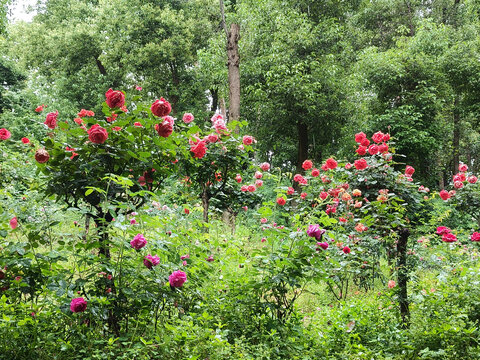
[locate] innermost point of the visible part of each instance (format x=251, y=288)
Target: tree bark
x=100, y=66
x=233, y=57
x=233, y=72
x=456, y=135
x=402, y=277
x=214, y=94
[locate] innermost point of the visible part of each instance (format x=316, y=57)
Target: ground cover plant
x=108, y=250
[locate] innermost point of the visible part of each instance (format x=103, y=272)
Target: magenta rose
x=78, y=305
x=315, y=231
x=177, y=279
x=42, y=156
x=97, y=134
x=475, y=236
x=161, y=107
x=149, y=261
x=5, y=134
x=114, y=98
x=51, y=120
x=138, y=242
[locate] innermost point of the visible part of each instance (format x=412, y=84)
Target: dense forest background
x=312, y=73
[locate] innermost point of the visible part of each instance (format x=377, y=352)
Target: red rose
x=281, y=201
x=307, y=165
x=5, y=134
x=362, y=150
x=331, y=163
x=409, y=170
x=114, y=98
x=164, y=129
x=365, y=142
x=373, y=149
x=359, y=137
x=444, y=194
x=97, y=134
x=361, y=164
x=378, y=137
x=386, y=137
x=161, y=108
x=383, y=148
x=42, y=156
x=346, y=250
x=25, y=140
x=51, y=120
x=199, y=150
x=290, y=191
x=315, y=172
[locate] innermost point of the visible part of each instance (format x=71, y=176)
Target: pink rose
x=315, y=172
x=248, y=140
x=138, y=242
x=78, y=305
x=161, y=107
x=281, y=201
x=97, y=134
x=51, y=120
x=199, y=150
x=114, y=99
x=472, y=179
x=238, y=178
x=5, y=134
x=258, y=183
x=265, y=166
x=187, y=118
x=409, y=170
x=391, y=284
x=13, y=222
x=462, y=167
x=177, y=279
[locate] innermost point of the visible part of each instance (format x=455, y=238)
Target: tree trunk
x=456, y=136
x=233, y=63
x=402, y=277
x=214, y=94
x=233, y=72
